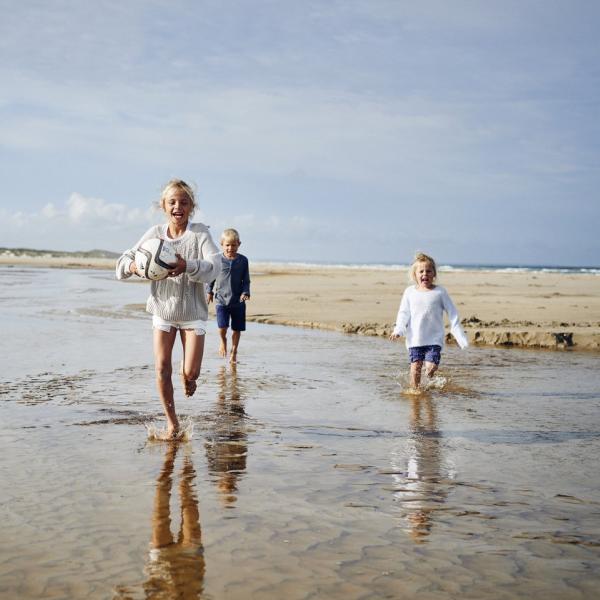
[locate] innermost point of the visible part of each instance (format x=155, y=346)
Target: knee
x=191, y=374
x=164, y=372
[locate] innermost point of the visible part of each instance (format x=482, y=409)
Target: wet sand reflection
x=227, y=444
x=175, y=566
x=418, y=470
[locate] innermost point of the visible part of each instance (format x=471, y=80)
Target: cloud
x=84, y=223
x=79, y=223
x=79, y=210
x=294, y=116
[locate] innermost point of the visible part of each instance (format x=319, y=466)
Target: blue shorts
x=235, y=312
x=431, y=354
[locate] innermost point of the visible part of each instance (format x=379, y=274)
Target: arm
x=455, y=327
x=125, y=267
x=246, y=283
x=209, y=288
x=403, y=317
x=206, y=268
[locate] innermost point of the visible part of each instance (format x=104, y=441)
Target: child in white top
x=421, y=319
x=178, y=302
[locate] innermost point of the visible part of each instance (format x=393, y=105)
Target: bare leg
x=415, y=373
x=163, y=351
x=235, y=342
x=193, y=351
x=430, y=368
x=223, y=344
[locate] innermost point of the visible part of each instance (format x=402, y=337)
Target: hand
x=178, y=267
x=394, y=336
x=133, y=268
x=244, y=298
x=209, y=297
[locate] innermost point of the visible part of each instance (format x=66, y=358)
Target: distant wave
x=442, y=268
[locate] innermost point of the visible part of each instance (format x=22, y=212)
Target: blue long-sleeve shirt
x=232, y=282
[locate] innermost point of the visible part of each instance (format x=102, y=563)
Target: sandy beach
x=310, y=473
x=536, y=310
x=507, y=309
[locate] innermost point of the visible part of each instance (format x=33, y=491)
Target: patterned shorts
x=431, y=354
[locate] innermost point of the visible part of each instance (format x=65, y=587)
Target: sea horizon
x=444, y=267
x=508, y=267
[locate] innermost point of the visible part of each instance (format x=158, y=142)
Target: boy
x=231, y=290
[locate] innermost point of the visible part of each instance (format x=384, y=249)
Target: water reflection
x=175, y=565
x=418, y=469
x=227, y=443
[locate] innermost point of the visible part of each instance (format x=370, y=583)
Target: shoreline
x=500, y=309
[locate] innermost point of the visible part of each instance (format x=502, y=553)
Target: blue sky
x=355, y=131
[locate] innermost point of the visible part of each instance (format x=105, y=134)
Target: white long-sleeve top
x=180, y=298
x=421, y=317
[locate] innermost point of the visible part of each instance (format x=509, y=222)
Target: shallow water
x=309, y=474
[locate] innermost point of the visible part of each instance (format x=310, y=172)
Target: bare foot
x=172, y=432
x=223, y=350
x=190, y=386
x=413, y=391
x=233, y=357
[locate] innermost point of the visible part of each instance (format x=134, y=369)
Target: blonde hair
x=230, y=234
x=420, y=257
x=182, y=186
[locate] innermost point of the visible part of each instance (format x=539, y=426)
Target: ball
x=155, y=258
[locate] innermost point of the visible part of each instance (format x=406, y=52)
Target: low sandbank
x=510, y=309
x=523, y=309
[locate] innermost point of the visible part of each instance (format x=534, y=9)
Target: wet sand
x=525, y=310
x=310, y=473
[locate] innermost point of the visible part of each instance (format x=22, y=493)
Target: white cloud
x=79, y=209
x=278, y=226
x=471, y=111
x=79, y=223
x=96, y=210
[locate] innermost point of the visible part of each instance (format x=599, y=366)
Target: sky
x=339, y=131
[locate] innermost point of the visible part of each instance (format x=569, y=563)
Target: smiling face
x=178, y=206
x=424, y=275
x=230, y=247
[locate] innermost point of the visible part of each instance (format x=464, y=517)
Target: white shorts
x=198, y=326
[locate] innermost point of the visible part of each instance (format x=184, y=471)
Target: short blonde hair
x=420, y=257
x=230, y=234
x=181, y=185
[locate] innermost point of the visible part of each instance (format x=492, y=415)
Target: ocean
x=310, y=472
x=389, y=266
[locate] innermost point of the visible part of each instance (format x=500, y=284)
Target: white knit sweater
x=421, y=318
x=180, y=298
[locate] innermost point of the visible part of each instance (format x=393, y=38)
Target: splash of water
x=158, y=433
x=437, y=382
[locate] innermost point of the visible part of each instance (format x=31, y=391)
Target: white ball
x=154, y=258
